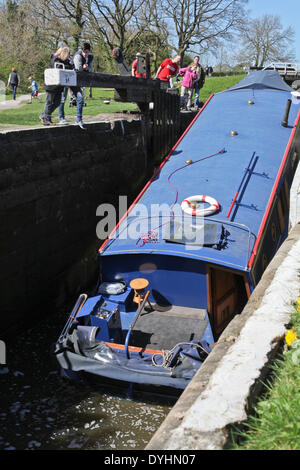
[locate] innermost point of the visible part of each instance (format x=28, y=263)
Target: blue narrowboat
x=188, y=253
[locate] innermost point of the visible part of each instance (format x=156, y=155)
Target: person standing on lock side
x=83, y=62
x=61, y=58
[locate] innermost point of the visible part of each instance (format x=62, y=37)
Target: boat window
x=187, y=233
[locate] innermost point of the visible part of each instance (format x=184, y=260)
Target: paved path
x=19, y=101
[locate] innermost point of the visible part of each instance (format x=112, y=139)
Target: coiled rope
x=167, y=355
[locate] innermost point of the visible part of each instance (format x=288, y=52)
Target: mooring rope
x=167, y=355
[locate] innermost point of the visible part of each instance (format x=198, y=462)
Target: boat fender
x=87, y=335
x=189, y=205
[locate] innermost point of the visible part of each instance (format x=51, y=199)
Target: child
x=187, y=84
x=34, y=88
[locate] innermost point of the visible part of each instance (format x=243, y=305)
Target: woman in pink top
x=187, y=85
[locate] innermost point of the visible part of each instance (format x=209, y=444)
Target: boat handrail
x=138, y=314
x=246, y=172
x=79, y=303
x=203, y=218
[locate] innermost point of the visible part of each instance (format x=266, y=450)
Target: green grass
x=275, y=425
x=216, y=84
x=28, y=115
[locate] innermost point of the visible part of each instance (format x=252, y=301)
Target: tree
x=64, y=20
x=201, y=23
x=114, y=21
x=153, y=36
x=21, y=41
x=264, y=39
x=130, y=25
x=223, y=59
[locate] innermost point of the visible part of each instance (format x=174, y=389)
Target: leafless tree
x=223, y=59
x=264, y=39
x=114, y=20
x=199, y=24
x=62, y=18
x=153, y=31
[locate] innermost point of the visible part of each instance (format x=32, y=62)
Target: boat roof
x=219, y=164
x=262, y=79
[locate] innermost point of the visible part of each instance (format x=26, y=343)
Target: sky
x=287, y=10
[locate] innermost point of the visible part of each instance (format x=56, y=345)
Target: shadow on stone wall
x=51, y=183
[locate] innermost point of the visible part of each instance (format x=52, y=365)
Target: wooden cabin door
x=227, y=297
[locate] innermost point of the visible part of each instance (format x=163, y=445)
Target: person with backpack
x=53, y=92
x=14, y=81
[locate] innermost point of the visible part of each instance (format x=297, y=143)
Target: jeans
x=79, y=103
x=53, y=99
x=78, y=93
x=196, y=99
x=61, y=108
x=14, y=90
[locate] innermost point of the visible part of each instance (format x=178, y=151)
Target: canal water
x=41, y=410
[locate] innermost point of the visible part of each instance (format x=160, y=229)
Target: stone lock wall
x=51, y=182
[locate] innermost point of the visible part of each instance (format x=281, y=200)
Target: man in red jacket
x=134, y=70
x=168, y=68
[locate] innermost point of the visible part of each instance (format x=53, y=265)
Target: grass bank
x=28, y=114
x=275, y=423
x=215, y=85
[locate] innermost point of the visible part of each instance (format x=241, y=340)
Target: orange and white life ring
x=189, y=205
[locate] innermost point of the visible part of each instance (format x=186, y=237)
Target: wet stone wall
x=51, y=182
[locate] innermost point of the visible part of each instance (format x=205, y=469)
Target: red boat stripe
x=271, y=199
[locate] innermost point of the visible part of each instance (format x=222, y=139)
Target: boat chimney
x=286, y=113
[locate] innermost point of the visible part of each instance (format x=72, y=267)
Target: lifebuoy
x=189, y=205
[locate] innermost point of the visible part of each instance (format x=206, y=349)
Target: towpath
x=9, y=104
x=21, y=100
